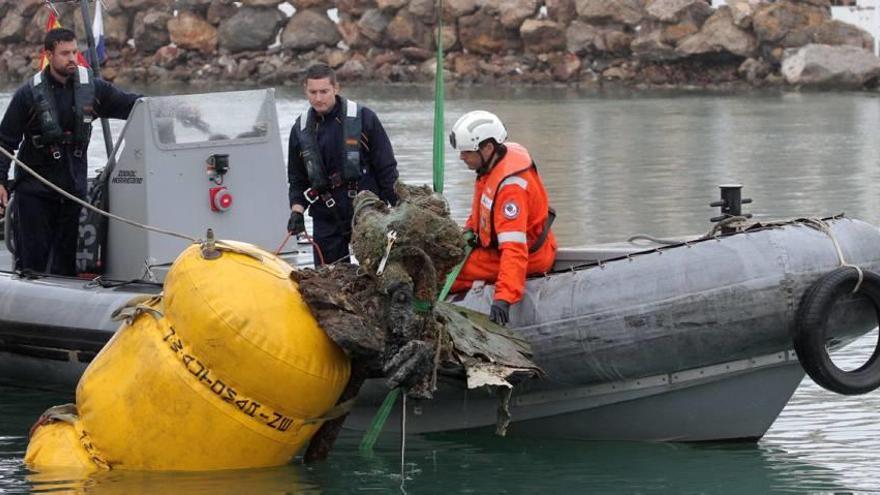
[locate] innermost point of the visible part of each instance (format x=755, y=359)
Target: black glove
x=297, y=223
x=470, y=238
x=500, y=312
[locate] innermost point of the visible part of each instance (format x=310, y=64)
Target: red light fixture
x=221, y=199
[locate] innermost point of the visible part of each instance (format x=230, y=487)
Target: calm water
x=615, y=165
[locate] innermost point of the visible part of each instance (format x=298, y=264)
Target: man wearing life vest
x=510, y=215
x=337, y=148
x=51, y=116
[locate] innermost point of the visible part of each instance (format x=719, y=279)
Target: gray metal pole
x=96, y=70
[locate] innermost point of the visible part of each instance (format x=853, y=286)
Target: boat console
x=183, y=164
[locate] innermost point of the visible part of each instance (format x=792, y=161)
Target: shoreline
x=583, y=44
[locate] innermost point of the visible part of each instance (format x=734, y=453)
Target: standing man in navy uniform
x=53, y=113
x=337, y=148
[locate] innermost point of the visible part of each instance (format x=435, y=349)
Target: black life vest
x=320, y=183
x=51, y=133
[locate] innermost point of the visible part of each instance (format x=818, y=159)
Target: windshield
x=211, y=117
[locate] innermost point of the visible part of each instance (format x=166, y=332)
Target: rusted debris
x=388, y=322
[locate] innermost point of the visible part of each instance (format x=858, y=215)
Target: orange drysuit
x=509, y=214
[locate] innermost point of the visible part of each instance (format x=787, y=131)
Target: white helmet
x=473, y=128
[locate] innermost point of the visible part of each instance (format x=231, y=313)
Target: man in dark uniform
x=53, y=113
x=337, y=148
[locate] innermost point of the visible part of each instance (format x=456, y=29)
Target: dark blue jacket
x=21, y=122
x=378, y=165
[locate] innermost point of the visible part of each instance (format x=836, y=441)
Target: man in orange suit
x=510, y=215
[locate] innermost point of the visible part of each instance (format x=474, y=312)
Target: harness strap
x=319, y=181
x=539, y=242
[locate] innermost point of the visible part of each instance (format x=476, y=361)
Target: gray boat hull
x=690, y=343
x=684, y=343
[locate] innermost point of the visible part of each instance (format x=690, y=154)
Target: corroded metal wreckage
x=384, y=315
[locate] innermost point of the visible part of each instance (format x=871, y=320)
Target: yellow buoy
x=58, y=441
x=228, y=370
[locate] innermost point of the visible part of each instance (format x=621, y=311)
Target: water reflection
x=482, y=463
x=284, y=479
x=456, y=463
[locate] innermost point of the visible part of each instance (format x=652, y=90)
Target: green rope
x=378, y=422
x=439, y=97
x=422, y=306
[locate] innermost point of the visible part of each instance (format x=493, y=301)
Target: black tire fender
x=811, y=332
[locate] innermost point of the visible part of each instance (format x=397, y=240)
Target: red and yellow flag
x=54, y=23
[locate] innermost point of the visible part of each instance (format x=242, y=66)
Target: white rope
x=91, y=207
x=739, y=224
x=823, y=226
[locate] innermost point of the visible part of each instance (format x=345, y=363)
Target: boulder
x=390, y=6
x=449, y=37
x=117, y=29
x=677, y=11
x=743, y=11
x=650, y=45
x=354, y=68
x=482, y=33
x=261, y=3
x=406, y=30
x=162, y=5
x=671, y=34
x=629, y=12
x=27, y=8
x=491, y=7
x=428, y=69
x=355, y=8
x=542, y=36
x=309, y=29
x=561, y=11
x=150, y=31
x=620, y=72
x=754, y=70
x=251, y=28
x=220, y=10
x=566, y=68
x=197, y=6
x=719, y=34
x=335, y=58
x=787, y=23
x=389, y=57
x=466, y=66
x=514, y=12
x=416, y=53
x=111, y=7
x=36, y=29
x=311, y=4
x=453, y=9
x=842, y=66
x=168, y=56
x=372, y=25
x=192, y=32
x=583, y=38
x=423, y=10
x=836, y=32
x=17, y=67
x=12, y=27
x=350, y=33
